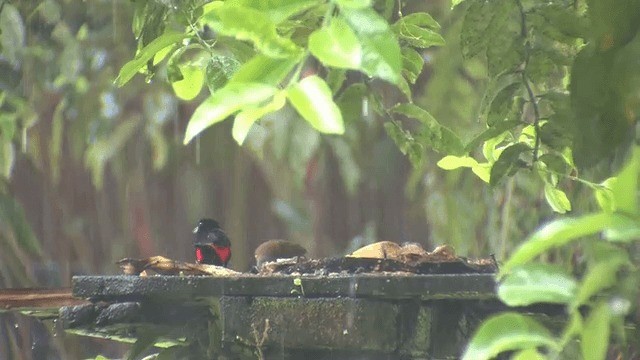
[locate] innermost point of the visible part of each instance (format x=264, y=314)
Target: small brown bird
x=273, y=250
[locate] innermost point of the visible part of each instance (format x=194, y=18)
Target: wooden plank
x=381, y=286
x=37, y=298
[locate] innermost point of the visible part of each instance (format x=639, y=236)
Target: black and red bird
x=212, y=244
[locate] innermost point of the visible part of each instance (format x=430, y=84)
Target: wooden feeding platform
x=347, y=308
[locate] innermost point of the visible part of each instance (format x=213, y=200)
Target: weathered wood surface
x=379, y=286
x=37, y=298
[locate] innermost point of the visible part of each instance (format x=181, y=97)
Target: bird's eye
x=195, y=229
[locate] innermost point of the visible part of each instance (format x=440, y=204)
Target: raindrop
x=365, y=107
x=24, y=139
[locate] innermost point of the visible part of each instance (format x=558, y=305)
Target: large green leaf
x=277, y=10
x=508, y=162
x=595, y=333
x=558, y=233
x=600, y=276
x=412, y=63
x=336, y=45
x=381, y=56
x=505, y=332
x=253, y=25
x=312, y=98
x=12, y=34
x=627, y=184
x=228, y=100
x=451, y=162
x=246, y=118
x=191, y=83
x=491, y=132
x=264, y=69
x=219, y=70
x=537, y=283
x=417, y=30
x=147, y=53
x=557, y=199
x=439, y=137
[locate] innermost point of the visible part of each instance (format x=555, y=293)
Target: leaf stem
x=532, y=97
x=536, y=114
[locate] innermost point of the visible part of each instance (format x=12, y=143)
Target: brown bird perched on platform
x=212, y=244
x=273, y=250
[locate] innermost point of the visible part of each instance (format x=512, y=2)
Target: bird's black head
x=205, y=225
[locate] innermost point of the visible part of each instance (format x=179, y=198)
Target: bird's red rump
x=199, y=255
x=223, y=252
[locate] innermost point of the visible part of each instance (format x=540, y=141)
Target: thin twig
x=261, y=338
x=524, y=32
x=536, y=114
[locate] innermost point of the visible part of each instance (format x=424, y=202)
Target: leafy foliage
x=283, y=35
x=596, y=303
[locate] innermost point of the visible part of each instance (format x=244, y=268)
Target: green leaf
x=219, y=70
x=555, y=163
x=557, y=199
x=227, y=101
x=421, y=19
x=558, y=233
x=483, y=171
x=455, y=3
x=626, y=184
x=312, y=98
x=246, y=118
x=418, y=37
x=490, y=133
x=562, y=19
x=335, y=79
x=604, y=195
x=600, y=276
x=191, y=84
x=147, y=53
x=505, y=332
x=477, y=20
x=625, y=229
x=451, y=162
x=252, y=25
x=595, y=333
x=528, y=354
x=537, y=283
x=12, y=34
x=7, y=158
x=508, y=162
x=277, y=10
x=405, y=142
x=264, y=69
x=440, y=138
x=600, y=109
x=380, y=49
x=412, y=63
x=336, y=45
x=353, y=4
x=502, y=105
